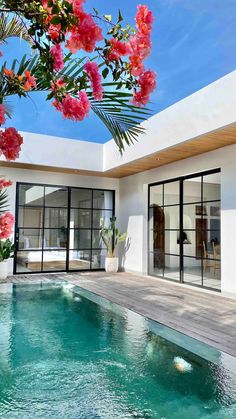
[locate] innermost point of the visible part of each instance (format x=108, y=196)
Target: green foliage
x=13, y=27
x=6, y=249
x=111, y=236
x=116, y=111
x=3, y=201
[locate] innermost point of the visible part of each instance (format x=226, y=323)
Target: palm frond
x=3, y=201
x=13, y=28
x=115, y=111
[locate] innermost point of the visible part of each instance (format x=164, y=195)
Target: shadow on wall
x=123, y=252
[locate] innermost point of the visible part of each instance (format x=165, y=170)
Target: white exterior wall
x=134, y=204
x=60, y=179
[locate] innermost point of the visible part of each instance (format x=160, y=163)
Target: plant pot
x=3, y=269
x=111, y=265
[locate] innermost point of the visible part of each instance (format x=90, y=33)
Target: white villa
x=174, y=191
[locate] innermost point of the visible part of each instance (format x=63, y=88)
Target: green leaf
x=105, y=72
x=56, y=20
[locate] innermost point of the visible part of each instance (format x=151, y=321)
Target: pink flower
x=5, y=183
x=58, y=84
x=92, y=70
x=85, y=35
x=57, y=55
x=147, y=83
x=144, y=20
x=140, y=43
x=10, y=143
x=2, y=114
x=6, y=225
x=118, y=49
x=73, y=108
x=77, y=6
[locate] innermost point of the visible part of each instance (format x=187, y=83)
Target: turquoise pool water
x=69, y=354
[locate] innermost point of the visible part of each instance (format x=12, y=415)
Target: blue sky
x=193, y=45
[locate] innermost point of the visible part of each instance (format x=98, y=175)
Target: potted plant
x=6, y=252
x=111, y=237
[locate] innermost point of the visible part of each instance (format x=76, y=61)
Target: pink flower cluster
x=5, y=183
x=92, y=70
x=57, y=56
x=10, y=143
x=85, y=34
x=72, y=108
x=140, y=43
x=147, y=83
x=118, y=49
x=2, y=114
x=6, y=225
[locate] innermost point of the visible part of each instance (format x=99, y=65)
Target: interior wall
x=134, y=214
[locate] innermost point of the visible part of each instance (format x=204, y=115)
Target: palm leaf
x=115, y=111
x=3, y=201
x=13, y=28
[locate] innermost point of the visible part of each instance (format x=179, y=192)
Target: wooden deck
x=206, y=316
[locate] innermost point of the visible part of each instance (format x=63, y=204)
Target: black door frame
x=69, y=188
x=181, y=180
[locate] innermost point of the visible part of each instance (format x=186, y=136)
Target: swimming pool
x=67, y=353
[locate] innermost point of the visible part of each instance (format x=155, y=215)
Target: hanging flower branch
x=57, y=27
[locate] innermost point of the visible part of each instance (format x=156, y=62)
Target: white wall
x=134, y=203
x=206, y=110
x=51, y=151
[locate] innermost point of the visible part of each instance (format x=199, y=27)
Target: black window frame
x=67, y=249
x=181, y=205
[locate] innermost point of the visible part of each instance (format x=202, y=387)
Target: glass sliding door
x=58, y=228
x=184, y=230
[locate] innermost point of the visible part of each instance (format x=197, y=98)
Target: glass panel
x=192, y=212
x=80, y=239
x=55, y=218
x=172, y=267
x=31, y=195
x=172, y=242
x=98, y=259
x=156, y=195
x=30, y=239
x=80, y=218
x=156, y=217
x=81, y=198
x=56, y=196
x=190, y=240
x=28, y=261
x=192, y=190
x=171, y=217
x=97, y=241
x=54, y=260
x=211, y=187
x=212, y=272
x=55, y=238
x=79, y=259
x=103, y=199
x=171, y=193
x=214, y=210
x=30, y=217
x=156, y=263
x=157, y=241
x=193, y=271
x=212, y=246
x=98, y=215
